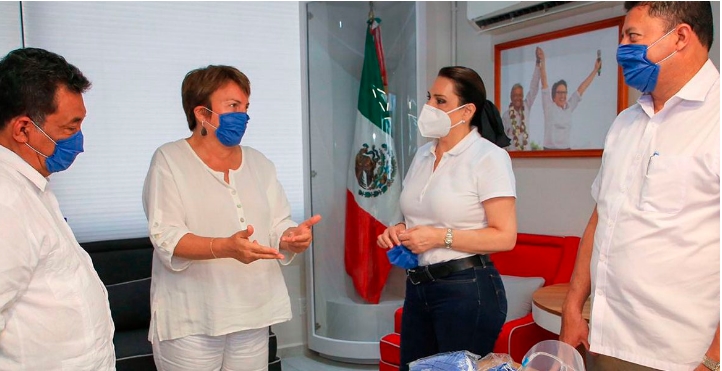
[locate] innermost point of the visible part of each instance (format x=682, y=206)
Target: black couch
x=124, y=266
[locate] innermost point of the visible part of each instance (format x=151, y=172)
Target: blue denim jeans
x=462, y=311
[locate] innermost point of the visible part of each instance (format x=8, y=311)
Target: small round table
x=547, y=307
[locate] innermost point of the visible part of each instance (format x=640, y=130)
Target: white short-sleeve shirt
x=213, y=297
x=474, y=171
x=557, y=120
x=54, y=311
x=656, y=257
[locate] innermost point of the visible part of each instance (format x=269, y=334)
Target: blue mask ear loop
x=655, y=43
x=204, y=132
x=46, y=135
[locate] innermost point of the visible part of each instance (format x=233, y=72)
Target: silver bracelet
x=211, y=246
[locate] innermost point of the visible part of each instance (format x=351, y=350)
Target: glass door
x=341, y=324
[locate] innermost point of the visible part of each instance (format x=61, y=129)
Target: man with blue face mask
x=54, y=311
x=650, y=256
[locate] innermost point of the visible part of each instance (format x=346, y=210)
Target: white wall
x=553, y=194
x=435, y=41
x=10, y=36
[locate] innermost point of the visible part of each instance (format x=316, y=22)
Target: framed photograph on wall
x=568, y=112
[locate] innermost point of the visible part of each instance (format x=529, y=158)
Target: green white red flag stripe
x=373, y=187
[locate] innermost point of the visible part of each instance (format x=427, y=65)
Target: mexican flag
x=373, y=186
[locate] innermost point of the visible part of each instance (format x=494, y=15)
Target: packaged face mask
x=461, y=360
x=402, y=257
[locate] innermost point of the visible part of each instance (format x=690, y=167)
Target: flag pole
x=376, y=31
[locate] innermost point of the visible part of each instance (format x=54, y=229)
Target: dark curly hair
x=29, y=79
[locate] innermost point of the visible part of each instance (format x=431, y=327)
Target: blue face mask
x=402, y=257
x=231, y=127
x=638, y=71
x=64, y=153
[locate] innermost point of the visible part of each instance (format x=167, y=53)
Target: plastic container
x=552, y=355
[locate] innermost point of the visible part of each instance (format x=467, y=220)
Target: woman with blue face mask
x=220, y=223
x=458, y=203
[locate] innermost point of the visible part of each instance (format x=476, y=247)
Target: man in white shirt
x=558, y=109
x=650, y=255
x=515, y=119
x=54, y=311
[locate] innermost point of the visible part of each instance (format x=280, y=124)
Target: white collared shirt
x=526, y=108
x=655, y=263
x=213, y=297
x=557, y=120
x=474, y=171
x=54, y=311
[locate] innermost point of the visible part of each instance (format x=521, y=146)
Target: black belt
x=432, y=272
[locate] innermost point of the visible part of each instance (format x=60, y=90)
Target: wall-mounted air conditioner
x=489, y=15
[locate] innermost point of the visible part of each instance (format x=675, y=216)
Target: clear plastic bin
x=552, y=355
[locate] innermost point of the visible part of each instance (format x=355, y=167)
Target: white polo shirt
x=54, y=311
x=474, y=171
x=213, y=297
x=557, y=120
x=656, y=258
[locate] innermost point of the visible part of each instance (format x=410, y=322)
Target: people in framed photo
x=560, y=91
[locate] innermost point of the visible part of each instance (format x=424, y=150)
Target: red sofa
x=534, y=255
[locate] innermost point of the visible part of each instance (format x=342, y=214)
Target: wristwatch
x=710, y=363
x=449, y=238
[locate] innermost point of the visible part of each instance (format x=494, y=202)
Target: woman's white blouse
x=213, y=297
x=472, y=172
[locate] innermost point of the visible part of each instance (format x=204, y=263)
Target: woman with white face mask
x=458, y=204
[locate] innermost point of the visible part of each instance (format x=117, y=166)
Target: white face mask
x=435, y=123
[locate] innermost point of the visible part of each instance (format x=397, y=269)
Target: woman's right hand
x=390, y=237
x=240, y=247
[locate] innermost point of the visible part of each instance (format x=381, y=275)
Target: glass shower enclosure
x=341, y=325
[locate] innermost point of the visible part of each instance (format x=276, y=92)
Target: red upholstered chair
x=550, y=257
